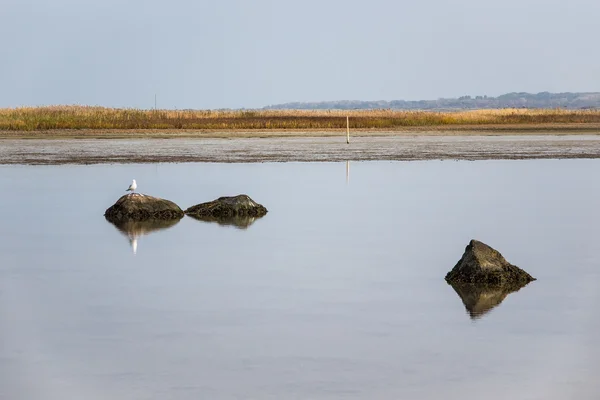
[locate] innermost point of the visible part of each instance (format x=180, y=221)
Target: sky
x=249, y=54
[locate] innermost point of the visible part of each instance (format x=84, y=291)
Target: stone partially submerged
x=227, y=207
x=480, y=264
x=141, y=207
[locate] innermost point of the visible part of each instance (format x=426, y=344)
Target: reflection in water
x=134, y=229
x=238, y=221
x=481, y=299
x=310, y=303
x=347, y=172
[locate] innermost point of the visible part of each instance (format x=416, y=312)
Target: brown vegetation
x=97, y=118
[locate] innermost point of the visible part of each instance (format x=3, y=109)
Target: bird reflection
x=237, y=221
x=133, y=243
x=133, y=230
x=481, y=299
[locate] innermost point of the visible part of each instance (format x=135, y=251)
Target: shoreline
x=553, y=129
x=136, y=150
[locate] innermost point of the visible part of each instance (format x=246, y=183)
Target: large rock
x=225, y=207
x=140, y=207
x=481, y=299
x=480, y=264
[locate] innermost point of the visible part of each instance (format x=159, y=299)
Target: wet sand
x=400, y=148
x=436, y=130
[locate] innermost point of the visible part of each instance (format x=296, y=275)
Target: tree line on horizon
x=568, y=100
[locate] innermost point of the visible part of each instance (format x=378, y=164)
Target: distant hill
x=509, y=100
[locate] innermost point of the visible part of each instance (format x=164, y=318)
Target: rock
x=225, y=207
x=480, y=264
x=239, y=221
x=481, y=299
x=140, y=207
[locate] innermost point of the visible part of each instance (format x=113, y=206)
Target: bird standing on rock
x=132, y=187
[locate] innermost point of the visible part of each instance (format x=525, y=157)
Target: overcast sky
x=236, y=53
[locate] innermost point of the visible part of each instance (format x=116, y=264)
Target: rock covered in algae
x=225, y=207
x=140, y=207
x=481, y=264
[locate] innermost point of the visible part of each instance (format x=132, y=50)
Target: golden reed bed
x=101, y=118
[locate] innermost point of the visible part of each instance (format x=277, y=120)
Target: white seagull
x=132, y=187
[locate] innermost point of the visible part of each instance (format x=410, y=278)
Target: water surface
x=338, y=293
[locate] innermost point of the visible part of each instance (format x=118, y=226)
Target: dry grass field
x=55, y=118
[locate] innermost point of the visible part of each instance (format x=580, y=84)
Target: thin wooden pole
x=154, y=101
x=347, y=130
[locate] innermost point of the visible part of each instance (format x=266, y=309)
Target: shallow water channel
x=337, y=293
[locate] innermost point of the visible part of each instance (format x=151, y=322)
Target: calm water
x=338, y=293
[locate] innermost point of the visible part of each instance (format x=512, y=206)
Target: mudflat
x=236, y=149
x=434, y=130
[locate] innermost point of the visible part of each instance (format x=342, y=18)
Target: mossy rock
x=141, y=207
x=227, y=207
x=481, y=264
